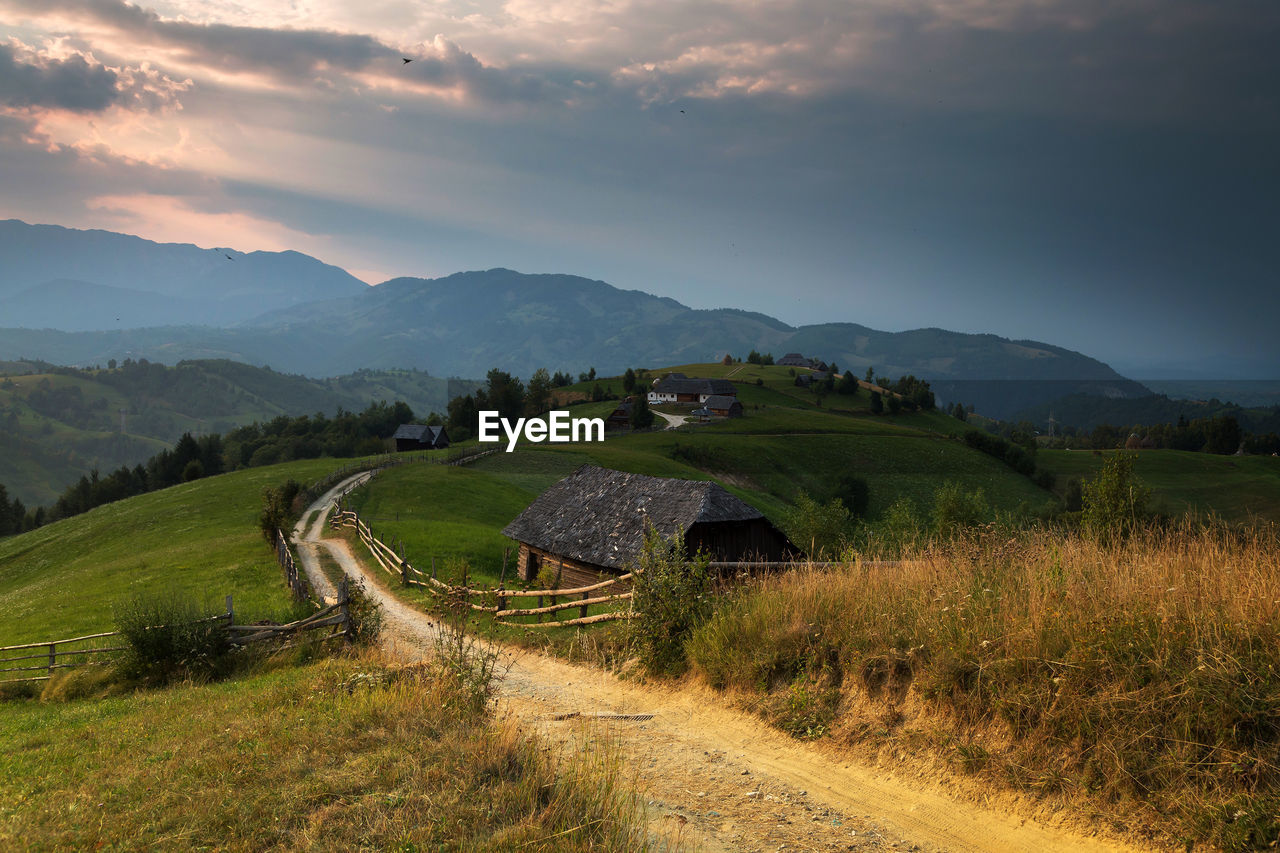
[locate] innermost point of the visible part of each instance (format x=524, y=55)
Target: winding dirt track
x=716, y=778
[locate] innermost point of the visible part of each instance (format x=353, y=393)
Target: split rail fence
x=19, y=663
x=495, y=601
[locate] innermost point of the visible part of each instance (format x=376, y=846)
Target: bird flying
x=406, y=60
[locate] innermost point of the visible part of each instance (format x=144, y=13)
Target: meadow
x=1137, y=679
x=197, y=541
x=343, y=754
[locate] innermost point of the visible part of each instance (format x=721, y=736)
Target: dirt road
x=715, y=777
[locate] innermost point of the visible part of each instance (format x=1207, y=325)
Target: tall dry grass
x=1142, y=673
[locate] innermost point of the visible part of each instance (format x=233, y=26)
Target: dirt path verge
x=714, y=777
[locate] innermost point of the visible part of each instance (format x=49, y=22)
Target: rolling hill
x=58, y=423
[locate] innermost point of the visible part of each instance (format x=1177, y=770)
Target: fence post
x=231, y=617
x=53, y=657
x=345, y=608
x=433, y=567
x=582, y=611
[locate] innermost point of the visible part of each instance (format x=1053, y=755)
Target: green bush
x=818, y=528
x=671, y=596
x=169, y=638
x=1113, y=502
x=954, y=508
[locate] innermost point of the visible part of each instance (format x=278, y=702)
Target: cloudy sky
x=1099, y=174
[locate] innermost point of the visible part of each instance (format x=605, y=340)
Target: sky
x=1097, y=174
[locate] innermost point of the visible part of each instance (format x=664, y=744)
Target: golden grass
x=1144, y=674
x=342, y=755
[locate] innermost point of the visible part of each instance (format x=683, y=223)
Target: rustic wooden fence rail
x=48, y=655
x=297, y=582
x=394, y=563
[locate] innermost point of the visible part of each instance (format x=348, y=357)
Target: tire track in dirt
x=714, y=777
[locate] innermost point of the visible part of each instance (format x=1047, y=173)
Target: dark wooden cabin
x=420, y=437
x=725, y=407
x=620, y=417
x=591, y=524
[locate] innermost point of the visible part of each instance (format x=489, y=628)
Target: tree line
x=281, y=439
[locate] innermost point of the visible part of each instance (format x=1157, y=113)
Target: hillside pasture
x=199, y=540
x=1237, y=488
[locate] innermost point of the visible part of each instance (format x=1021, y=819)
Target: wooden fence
x=295, y=580
x=99, y=649
x=496, y=601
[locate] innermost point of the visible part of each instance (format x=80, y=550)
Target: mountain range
x=83, y=297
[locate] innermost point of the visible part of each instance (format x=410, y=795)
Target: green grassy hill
x=58, y=423
x=200, y=540
x=1237, y=488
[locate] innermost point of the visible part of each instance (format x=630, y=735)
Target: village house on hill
x=678, y=388
x=795, y=359
x=722, y=406
x=591, y=524
x=420, y=437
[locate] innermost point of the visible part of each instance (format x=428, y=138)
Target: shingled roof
x=419, y=432
x=597, y=516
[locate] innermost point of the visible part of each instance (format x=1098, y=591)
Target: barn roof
x=419, y=432
x=717, y=401
x=597, y=516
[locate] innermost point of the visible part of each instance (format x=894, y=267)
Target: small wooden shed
x=591, y=524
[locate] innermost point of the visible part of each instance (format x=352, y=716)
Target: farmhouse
x=725, y=407
x=678, y=388
x=591, y=524
x=420, y=437
x=794, y=359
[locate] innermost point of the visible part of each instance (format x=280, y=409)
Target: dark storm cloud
x=73, y=83
x=296, y=55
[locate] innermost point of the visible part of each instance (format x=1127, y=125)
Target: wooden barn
x=725, y=407
x=420, y=437
x=620, y=418
x=591, y=524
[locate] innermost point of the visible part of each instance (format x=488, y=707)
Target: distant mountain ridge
x=192, y=285
x=316, y=320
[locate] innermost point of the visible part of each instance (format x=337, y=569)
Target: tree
x=538, y=398
x=1222, y=435
x=629, y=381
x=854, y=493
x=954, y=508
x=877, y=404
x=671, y=596
x=589, y=376
x=753, y=357
x=871, y=371
x=1113, y=501
x=817, y=528
x=895, y=404
x=641, y=415
x=727, y=360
